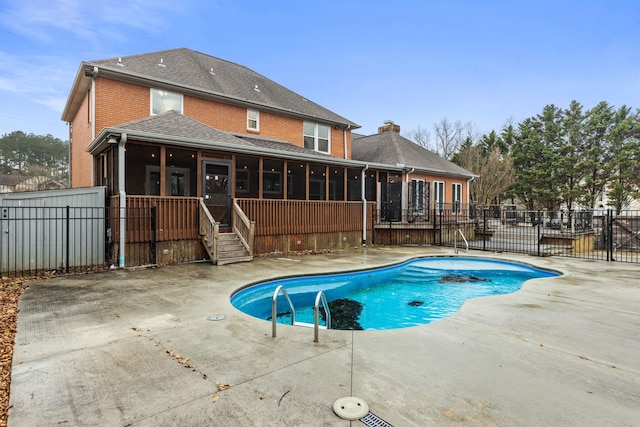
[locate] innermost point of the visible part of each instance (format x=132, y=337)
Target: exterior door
x=217, y=191
x=391, y=193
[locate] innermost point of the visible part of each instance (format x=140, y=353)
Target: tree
x=597, y=161
x=623, y=185
x=494, y=169
x=571, y=154
x=536, y=159
x=422, y=137
x=34, y=155
x=450, y=136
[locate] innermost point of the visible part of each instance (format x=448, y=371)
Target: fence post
x=484, y=230
x=609, y=236
x=67, y=238
x=154, y=228
x=540, y=221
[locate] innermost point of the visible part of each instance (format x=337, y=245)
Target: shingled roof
x=188, y=71
x=177, y=129
x=391, y=148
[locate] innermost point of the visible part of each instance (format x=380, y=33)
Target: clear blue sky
x=414, y=62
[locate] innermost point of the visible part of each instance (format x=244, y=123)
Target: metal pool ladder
x=320, y=298
x=455, y=241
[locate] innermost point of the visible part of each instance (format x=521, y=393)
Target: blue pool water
x=412, y=293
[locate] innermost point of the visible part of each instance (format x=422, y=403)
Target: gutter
x=123, y=200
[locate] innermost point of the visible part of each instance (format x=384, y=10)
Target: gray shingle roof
x=213, y=76
x=172, y=125
x=391, y=148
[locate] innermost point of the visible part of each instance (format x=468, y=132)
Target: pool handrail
x=455, y=240
x=274, y=309
x=316, y=308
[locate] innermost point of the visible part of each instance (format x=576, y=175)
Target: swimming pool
x=411, y=293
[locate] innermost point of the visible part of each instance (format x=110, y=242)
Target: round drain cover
x=350, y=408
x=217, y=317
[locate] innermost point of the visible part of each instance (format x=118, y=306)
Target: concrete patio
x=136, y=348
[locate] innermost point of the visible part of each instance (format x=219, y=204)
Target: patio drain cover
x=214, y=317
x=372, y=420
x=350, y=408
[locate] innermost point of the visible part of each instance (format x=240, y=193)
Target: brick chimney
x=389, y=126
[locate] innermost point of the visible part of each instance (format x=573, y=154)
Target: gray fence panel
x=36, y=226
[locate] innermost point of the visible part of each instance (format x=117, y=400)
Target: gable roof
x=190, y=72
x=392, y=148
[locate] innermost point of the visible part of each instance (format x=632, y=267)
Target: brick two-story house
x=216, y=146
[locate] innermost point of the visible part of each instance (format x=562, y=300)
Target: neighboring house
x=214, y=145
x=16, y=183
x=8, y=183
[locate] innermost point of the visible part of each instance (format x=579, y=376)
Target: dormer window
x=253, y=120
x=316, y=137
x=163, y=101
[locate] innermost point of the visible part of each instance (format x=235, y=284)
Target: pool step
x=308, y=325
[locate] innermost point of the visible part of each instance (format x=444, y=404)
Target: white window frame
x=253, y=116
x=153, y=93
x=417, y=200
x=439, y=195
x=456, y=197
x=316, y=137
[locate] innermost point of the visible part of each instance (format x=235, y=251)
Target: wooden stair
x=231, y=249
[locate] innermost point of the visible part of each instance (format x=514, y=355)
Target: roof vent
x=120, y=64
x=256, y=88
x=161, y=64
x=211, y=72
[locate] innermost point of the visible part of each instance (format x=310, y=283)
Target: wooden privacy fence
x=288, y=217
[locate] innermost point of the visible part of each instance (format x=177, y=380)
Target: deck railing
x=243, y=227
x=287, y=217
x=177, y=217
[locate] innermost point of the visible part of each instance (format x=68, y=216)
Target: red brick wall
x=80, y=137
x=448, y=193
x=119, y=102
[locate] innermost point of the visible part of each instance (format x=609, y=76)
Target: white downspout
x=469, y=181
x=92, y=106
x=364, y=205
x=123, y=200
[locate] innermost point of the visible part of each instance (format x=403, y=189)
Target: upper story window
x=163, y=101
x=253, y=119
x=316, y=137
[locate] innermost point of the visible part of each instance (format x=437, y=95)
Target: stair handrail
x=210, y=229
x=316, y=308
x=243, y=227
x=455, y=240
x=274, y=309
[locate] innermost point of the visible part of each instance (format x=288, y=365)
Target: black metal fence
x=588, y=234
x=36, y=241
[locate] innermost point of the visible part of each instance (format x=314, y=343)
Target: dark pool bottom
x=412, y=293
